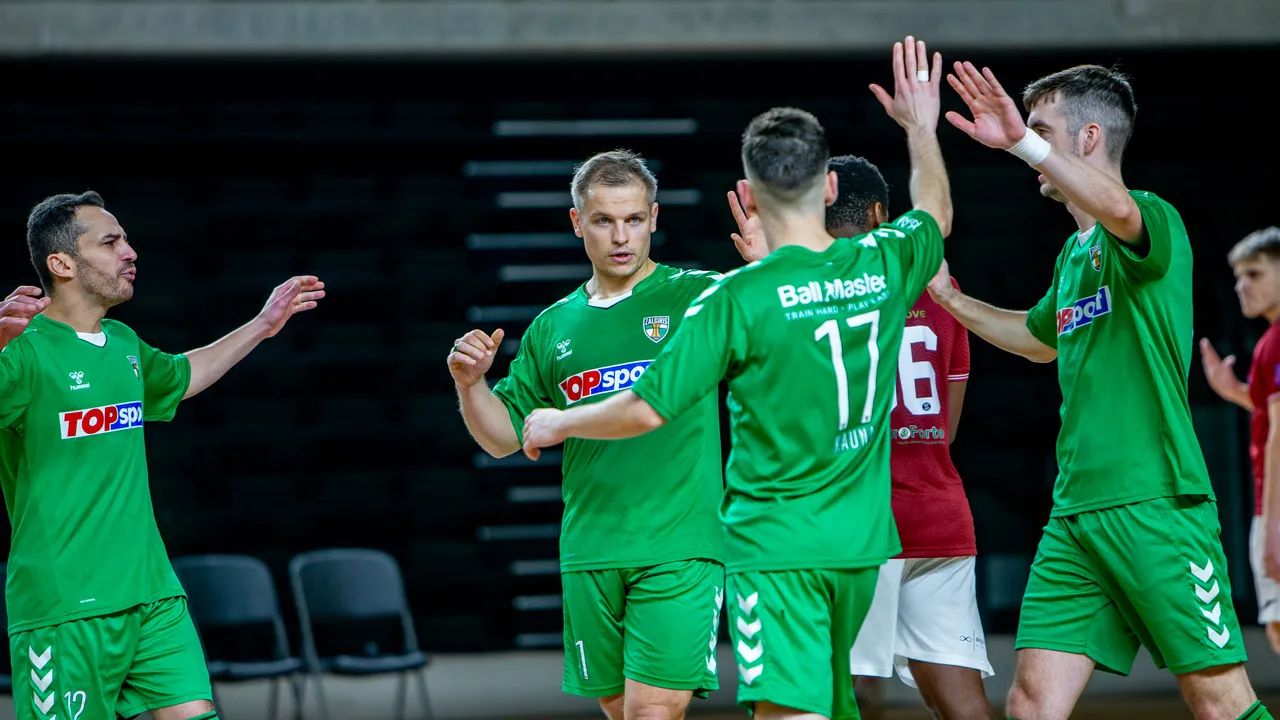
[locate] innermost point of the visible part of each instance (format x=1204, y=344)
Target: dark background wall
x=229, y=176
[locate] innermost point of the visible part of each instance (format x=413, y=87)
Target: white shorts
x=1268, y=589
x=924, y=609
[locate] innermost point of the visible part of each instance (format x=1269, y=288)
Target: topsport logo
x=1084, y=310
x=99, y=420
x=602, y=380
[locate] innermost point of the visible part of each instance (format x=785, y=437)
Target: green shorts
x=655, y=625
x=110, y=666
x=792, y=632
x=1150, y=573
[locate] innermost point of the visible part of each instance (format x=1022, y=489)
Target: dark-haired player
x=1131, y=554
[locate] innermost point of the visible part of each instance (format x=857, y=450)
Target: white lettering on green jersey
x=800, y=336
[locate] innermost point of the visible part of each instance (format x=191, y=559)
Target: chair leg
x=299, y=693
x=274, y=701
x=421, y=676
x=324, y=705
x=401, y=695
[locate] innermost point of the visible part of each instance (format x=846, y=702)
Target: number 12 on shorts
x=830, y=330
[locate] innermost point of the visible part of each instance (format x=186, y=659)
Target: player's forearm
x=622, y=416
x=211, y=362
x=1096, y=193
x=487, y=419
x=1270, y=509
x=930, y=188
x=1006, y=329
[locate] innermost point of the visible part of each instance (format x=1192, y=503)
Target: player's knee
x=1024, y=703
x=612, y=706
x=1218, y=692
x=664, y=706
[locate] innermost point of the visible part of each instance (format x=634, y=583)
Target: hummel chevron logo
x=39, y=660
x=748, y=603
x=45, y=705
x=1219, y=634
x=42, y=682
x=1207, y=596
x=750, y=674
x=749, y=629
x=1213, y=615
x=749, y=653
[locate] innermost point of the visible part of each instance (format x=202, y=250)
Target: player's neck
x=601, y=287
x=1084, y=220
x=782, y=228
x=77, y=311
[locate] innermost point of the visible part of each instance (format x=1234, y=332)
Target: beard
x=1053, y=193
x=108, y=290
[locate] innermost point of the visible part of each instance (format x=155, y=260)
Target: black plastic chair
x=342, y=585
x=228, y=591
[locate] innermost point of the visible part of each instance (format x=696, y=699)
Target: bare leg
x=1047, y=684
x=951, y=692
x=1218, y=693
x=646, y=702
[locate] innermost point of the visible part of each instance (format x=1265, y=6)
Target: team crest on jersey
x=134, y=362
x=655, y=328
x=1095, y=257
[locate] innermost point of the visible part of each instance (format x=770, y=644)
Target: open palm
x=295, y=295
x=996, y=121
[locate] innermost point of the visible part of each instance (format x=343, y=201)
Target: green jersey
x=73, y=468
x=627, y=503
x=809, y=344
x=1121, y=319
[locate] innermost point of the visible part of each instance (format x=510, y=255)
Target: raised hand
x=750, y=236
x=915, y=103
x=472, y=356
x=17, y=310
x=541, y=429
x=295, y=295
x=1219, y=371
x=996, y=121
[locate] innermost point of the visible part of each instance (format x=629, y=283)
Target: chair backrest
x=348, y=584
x=231, y=590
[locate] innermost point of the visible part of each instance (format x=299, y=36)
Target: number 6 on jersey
x=831, y=330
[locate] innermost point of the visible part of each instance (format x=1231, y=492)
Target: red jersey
x=1264, y=381
x=929, y=504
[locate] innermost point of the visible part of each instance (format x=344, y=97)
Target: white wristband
x=1031, y=149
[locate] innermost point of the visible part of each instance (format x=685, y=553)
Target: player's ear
x=61, y=265
x=653, y=218
x=1090, y=139
x=879, y=215
x=747, y=197
x=576, y=219
x=832, y=189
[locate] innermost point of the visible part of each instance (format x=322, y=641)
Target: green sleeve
x=916, y=240
x=15, y=381
x=708, y=345
x=1150, y=260
x=165, y=379
x=1042, y=320
x=523, y=389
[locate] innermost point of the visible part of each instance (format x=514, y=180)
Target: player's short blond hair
x=1259, y=243
x=615, y=168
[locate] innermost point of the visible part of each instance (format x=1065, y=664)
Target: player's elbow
x=644, y=418
x=1126, y=220
x=1040, y=353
